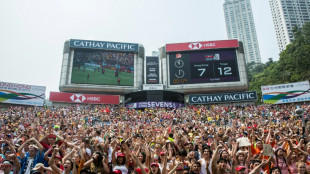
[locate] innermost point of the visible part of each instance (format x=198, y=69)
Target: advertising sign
x=208, y=66
x=286, y=93
x=223, y=98
x=74, y=43
x=244, y=142
x=153, y=87
x=154, y=104
x=101, y=67
x=202, y=45
x=152, y=70
x=83, y=98
x=22, y=94
x=268, y=150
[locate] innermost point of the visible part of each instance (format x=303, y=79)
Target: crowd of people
x=125, y=61
x=199, y=139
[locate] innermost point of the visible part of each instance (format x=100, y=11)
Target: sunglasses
x=5, y=166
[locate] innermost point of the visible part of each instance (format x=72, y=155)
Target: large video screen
x=209, y=66
x=101, y=67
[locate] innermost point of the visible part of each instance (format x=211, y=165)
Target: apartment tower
x=240, y=25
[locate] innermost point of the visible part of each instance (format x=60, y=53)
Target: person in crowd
x=193, y=139
x=122, y=160
x=281, y=159
x=69, y=166
x=32, y=157
x=205, y=161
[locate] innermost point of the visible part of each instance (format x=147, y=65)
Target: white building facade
x=286, y=15
x=240, y=25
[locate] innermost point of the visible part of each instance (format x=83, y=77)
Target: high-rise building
x=240, y=25
x=286, y=15
x=155, y=53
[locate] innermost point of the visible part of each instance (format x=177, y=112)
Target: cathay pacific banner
x=223, y=98
x=104, y=45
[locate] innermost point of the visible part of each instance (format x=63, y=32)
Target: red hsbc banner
x=202, y=45
x=83, y=98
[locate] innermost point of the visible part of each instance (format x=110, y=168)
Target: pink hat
x=238, y=168
x=154, y=164
x=120, y=154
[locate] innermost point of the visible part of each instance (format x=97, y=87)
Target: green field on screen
x=96, y=77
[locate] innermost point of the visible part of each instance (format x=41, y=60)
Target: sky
x=33, y=32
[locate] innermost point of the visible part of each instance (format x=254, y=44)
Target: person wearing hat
x=121, y=162
x=10, y=155
x=69, y=166
x=39, y=169
x=155, y=169
x=51, y=141
x=161, y=159
x=242, y=158
x=31, y=158
x=6, y=167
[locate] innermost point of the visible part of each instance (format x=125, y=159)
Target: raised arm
x=249, y=157
x=234, y=152
x=215, y=158
x=52, y=164
x=139, y=164
x=44, y=138
x=37, y=143
x=289, y=155
x=113, y=154
x=69, y=155
x=127, y=154
x=105, y=165
x=20, y=149
x=165, y=164
x=179, y=164
x=148, y=155
x=46, y=154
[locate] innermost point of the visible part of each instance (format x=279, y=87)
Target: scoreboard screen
x=205, y=66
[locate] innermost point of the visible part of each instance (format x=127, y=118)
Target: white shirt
x=28, y=171
x=121, y=168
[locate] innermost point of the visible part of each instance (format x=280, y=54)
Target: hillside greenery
x=292, y=66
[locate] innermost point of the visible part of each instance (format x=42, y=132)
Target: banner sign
x=22, y=94
x=202, y=45
x=223, y=98
x=152, y=70
x=104, y=45
x=244, y=142
x=83, y=98
x=154, y=104
x=286, y=93
x=268, y=150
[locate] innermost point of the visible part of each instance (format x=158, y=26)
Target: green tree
x=293, y=65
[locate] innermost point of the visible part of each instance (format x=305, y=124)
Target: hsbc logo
x=79, y=98
x=195, y=46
